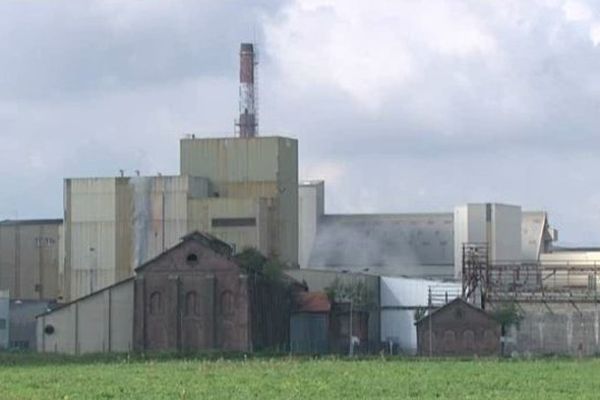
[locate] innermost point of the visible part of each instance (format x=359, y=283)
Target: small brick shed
x=458, y=329
x=195, y=296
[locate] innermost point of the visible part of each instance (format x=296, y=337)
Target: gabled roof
x=450, y=304
x=210, y=241
x=63, y=305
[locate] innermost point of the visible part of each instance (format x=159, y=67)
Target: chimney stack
x=247, y=123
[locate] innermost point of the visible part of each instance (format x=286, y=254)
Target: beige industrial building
x=242, y=190
x=29, y=258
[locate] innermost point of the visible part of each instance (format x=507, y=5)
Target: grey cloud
x=87, y=89
x=58, y=48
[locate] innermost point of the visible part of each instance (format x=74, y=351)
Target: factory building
x=29, y=258
x=194, y=296
x=427, y=245
x=242, y=190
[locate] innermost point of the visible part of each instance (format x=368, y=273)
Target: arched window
x=191, y=304
x=449, y=341
x=155, y=303
x=227, y=303
x=192, y=259
x=469, y=339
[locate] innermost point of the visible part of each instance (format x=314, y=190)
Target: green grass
x=119, y=377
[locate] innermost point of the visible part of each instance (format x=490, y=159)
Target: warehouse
x=194, y=296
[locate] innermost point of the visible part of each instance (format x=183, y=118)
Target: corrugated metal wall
x=100, y=322
x=115, y=224
x=309, y=333
x=29, y=252
x=400, y=297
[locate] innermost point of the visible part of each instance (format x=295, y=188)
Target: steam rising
x=384, y=245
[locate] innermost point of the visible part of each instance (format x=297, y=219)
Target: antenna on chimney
x=247, y=123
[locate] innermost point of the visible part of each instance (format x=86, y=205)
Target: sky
x=400, y=106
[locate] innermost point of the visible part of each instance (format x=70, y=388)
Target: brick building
x=195, y=296
x=458, y=329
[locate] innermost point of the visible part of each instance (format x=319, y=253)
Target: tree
x=508, y=314
x=356, y=292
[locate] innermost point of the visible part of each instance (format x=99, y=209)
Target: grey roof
x=390, y=242
x=13, y=222
x=402, y=244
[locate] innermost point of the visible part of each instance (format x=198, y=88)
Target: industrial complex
x=148, y=263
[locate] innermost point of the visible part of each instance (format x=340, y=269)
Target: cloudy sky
x=401, y=106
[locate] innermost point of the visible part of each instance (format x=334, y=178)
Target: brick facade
x=195, y=297
x=458, y=329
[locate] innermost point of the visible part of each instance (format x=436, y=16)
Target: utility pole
x=430, y=327
x=351, y=351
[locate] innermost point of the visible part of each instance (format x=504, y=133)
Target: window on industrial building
x=227, y=303
x=191, y=304
x=469, y=339
x=155, y=303
x=449, y=339
x=232, y=222
x=2, y=323
x=192, y=259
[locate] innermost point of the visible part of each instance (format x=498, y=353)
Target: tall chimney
x=247, y=122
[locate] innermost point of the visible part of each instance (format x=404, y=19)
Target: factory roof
x=420, y=244
x=384, y=241
x=452, y=304
x=13, y=222
x=208, y=240
x=63, y=305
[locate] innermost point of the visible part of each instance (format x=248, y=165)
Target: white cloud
x=576, y=11
x=595, y=34
x=370, y=49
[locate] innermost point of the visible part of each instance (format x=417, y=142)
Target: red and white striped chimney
x=247, y=122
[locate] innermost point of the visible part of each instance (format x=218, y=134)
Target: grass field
x=283, y=378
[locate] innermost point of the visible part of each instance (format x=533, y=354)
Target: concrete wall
x=563, y=329
x=29, y=258
x=102, y=321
